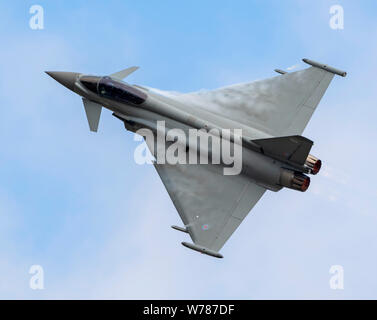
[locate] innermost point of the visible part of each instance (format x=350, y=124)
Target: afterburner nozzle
x=294, y=180
x=313, y=164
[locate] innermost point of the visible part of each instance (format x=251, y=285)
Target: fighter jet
x=271, y=113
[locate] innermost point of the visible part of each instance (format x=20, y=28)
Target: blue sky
x=77, y=204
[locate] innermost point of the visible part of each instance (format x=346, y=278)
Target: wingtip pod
x=202, y=250
x=325, y=67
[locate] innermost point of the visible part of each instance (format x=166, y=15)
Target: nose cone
x=67, y=79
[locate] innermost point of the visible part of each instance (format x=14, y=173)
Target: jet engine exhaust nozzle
x=294, y=180
x=313, y=164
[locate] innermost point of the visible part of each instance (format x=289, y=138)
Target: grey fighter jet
x=272, y=114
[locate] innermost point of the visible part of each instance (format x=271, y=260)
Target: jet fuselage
x=140, y=107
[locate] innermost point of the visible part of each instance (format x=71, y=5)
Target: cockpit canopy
x=113, y=89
